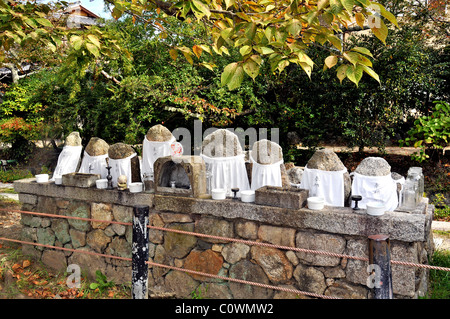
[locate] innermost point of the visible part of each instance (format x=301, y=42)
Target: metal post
x=139, y=250
x=380, y=267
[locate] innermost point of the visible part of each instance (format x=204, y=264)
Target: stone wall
x=338, y=230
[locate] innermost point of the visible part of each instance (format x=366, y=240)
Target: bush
x=430, y=133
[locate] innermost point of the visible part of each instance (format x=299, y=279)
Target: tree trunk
x=14, y=72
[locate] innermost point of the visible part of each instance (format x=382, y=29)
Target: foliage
x=101, y=282
x=277, y=32
x=430, y=133
x=20, y=120
x=442, y=210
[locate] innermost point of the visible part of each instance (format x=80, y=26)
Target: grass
x=439, y=280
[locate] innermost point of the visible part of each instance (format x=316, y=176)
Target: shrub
x=430, y=133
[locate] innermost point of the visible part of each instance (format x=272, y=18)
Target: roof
x=77, y=7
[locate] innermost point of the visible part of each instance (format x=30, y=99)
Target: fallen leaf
x=26, y=263
x=111, y=294
x=16, y=267
x=40, y=283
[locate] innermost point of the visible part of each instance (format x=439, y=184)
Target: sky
x=96, y=6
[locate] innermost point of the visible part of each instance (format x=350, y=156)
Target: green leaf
x=232, y=75
x=354, y=74
x=371, y=72
x=251, y=68
x=264, y=50
x=307, y=68
x=76, y=42
x=363, y=51
x=93, y=285
x=94, y=40
x=348, y=5
x=335, y=41
x=93, y=49
x=200, y=7
x=294, y=27
x=250, y=31
x=44, y=22
x=246, y=49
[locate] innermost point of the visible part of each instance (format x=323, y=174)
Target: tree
x=276, y=32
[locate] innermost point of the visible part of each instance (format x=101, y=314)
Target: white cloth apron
x=151, y=151
x=121, y=167
x=381, y=189
x=94, y=165
x=227, y=172
x=68, y=161
x=265, y=175
x=326, y=184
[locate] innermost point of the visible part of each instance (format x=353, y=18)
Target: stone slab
x=114, y=196
x=402, y=226
x=339, y=220
x=293, y=198
x=80, y=179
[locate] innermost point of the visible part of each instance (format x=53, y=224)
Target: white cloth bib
x=121, y=167
x=151, y=151
x=68, y=161
x=326, y=184
x=381, y=189
x=94, y=165
x=227, y=172
x=265, y=175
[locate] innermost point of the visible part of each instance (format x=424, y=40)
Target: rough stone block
x=80, y=179
x=292, y=198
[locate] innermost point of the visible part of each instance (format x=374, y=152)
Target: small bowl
x=248, y=196
x=316, y=203
x=101, y=183
x=218, y=193
x=375, y=209
x=58, y=180
x=135, y=187
x=41, y=178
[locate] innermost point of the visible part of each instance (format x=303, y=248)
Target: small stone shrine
x=69, y=158
x=266, y=158
x=156, y=144
x=124, y=161
x=325, y=175
x=225, y=163
x=372, y=179
x=94, y=157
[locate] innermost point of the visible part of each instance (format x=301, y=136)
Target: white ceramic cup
x=316, y=203
x=248, y=196
x=135, y=187
x=101, y=183
x=41, y=178
x=218, y=193
x=375, y=209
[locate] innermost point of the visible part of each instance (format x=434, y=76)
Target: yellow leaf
x=360, y=19
x=173, y=54
x=197, y=50
x=331, y=61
